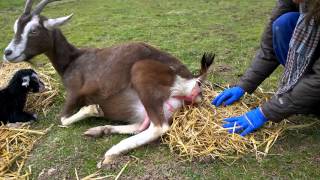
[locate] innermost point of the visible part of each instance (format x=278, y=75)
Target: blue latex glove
x=228, y=96
x=246, y=123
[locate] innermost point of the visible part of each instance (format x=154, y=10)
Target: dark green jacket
x=304, y=98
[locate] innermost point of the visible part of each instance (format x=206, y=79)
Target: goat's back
x=107, y=70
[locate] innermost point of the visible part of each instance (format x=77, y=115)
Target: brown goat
x=133, y=82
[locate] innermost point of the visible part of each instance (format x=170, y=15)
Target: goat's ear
x=25, y=81
x=54, y=23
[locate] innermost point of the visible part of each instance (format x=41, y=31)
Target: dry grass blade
x=96, y=176
x=121, y=171
x=197, y=132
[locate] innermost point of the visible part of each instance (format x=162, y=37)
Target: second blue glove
x=248, y=122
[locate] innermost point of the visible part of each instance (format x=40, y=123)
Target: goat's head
x=28, y=80
x=190, y=90
x=32, y=33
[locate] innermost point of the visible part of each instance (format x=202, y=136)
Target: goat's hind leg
x=151, y=92
x=119, y=129
x=144, y=137
x=84, y=112
x=109, y=129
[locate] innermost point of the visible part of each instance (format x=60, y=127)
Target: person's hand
x=228, y=96
x=298, y=1
x=246, y=123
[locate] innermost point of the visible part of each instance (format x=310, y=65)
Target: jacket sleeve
x=302, y=99
x=265, y=61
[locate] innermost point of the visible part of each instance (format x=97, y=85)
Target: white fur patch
x=17, y=49
x=170, y=106
x=25, y=81
x=147, y=136
x=182, y=86
x=140, y=112
x=84, y=112
x=15, y=26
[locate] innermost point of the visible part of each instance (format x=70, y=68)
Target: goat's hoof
x=63, y=121
x=14, y=125
x=108, y=161
x=94, y=132
x=97, y=111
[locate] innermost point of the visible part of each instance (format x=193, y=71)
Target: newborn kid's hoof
x=94, y=132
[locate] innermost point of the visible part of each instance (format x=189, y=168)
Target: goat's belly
x=124, y=106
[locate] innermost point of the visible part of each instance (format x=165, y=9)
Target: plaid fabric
x=302, y=46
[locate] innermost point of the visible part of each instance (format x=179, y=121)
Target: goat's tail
x=206, y=61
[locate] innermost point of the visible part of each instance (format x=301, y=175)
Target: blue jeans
x=282, y=30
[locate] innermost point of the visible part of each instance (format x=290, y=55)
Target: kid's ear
x=25, y=81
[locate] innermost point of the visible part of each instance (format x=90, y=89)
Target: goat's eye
x=33, y=32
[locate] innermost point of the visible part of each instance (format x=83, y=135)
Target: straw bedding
x=16, y=143
x=197, y=132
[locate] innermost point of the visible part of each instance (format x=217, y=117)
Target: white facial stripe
x=15, y=26
x=17, y=49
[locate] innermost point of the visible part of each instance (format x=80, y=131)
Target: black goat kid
x=13, y=97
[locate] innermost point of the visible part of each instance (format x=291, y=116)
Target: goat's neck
x=62, y=52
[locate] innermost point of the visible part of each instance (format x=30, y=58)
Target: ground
x=186, y=29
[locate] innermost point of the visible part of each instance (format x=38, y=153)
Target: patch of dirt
x=316, y=159
x=50, y=173
x=164, y=165
x=223, y=68
x=118, y=163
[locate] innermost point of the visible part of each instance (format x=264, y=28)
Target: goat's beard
x=313, y=11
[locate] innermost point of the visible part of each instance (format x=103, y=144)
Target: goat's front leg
x=84, y=112
x=147, y=136
x=69, y=106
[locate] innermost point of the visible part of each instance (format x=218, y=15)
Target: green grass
x=185, y=29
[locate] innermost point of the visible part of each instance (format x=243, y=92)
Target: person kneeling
x=291, y=39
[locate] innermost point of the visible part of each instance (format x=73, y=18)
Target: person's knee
x=285, y=22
